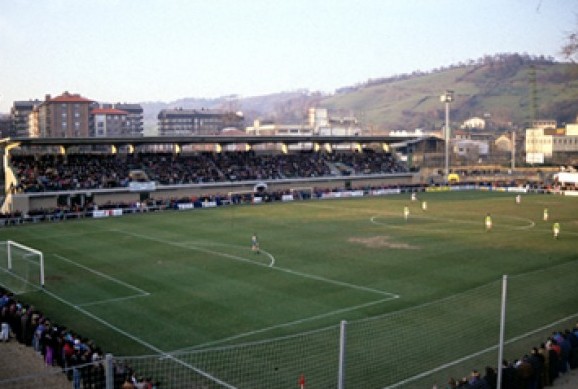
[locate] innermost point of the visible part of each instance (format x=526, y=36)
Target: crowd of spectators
x=538, y=369
x=368, y=162
x=59, y=173
x=77, y=211
x=101, y=171
x=79, y=358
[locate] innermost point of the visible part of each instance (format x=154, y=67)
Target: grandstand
x=56, y=173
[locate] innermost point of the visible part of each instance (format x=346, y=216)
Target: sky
x=164, y=50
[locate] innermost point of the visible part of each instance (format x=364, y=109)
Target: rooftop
x=67, y=97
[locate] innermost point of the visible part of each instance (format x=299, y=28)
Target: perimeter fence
x=412, y=348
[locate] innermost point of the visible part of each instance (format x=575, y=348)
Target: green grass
x=188, y=282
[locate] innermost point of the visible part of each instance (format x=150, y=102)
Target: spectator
x=491, y=378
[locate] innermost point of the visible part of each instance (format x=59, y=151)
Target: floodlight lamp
x=447, y=97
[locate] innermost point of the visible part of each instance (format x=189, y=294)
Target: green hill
x=510, y=90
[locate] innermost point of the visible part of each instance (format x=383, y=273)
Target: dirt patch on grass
x=377, y=242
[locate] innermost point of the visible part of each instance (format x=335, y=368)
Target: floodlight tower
x=447, y=98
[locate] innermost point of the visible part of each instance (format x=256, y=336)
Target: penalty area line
x=112, y=300
x=139, y=340
x=106, y=276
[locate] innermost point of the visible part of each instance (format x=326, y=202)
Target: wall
x=28, y=201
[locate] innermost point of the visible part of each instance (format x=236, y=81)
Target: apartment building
x=134, y=118
x=20, y=115
x=552, y=145
x=186, y=122
x=109, y=122
x=73, y=116
x=63, y=116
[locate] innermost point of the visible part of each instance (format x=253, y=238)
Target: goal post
x=18, y=259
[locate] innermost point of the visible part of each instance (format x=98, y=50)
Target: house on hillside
x=503, y=143
x=474, y=123
x=544, y=123
x=470, y=149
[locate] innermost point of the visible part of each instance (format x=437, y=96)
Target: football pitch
x=419, y=297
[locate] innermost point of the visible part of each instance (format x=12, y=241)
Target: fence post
x=342, y=344
x=502, y=330
x=108, y=372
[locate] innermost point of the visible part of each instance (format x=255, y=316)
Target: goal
x=243, y=197
x=21, y=267
x=303, y=192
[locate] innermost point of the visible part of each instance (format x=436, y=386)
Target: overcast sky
x=163, y=50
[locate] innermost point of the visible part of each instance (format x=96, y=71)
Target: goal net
x=21, y=267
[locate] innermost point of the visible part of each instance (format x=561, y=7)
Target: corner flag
x=302, y=381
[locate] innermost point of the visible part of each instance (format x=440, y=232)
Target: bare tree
x=570, y=49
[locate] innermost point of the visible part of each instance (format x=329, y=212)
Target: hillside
x=507, y=89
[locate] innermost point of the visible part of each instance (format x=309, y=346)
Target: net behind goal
x=21, y=267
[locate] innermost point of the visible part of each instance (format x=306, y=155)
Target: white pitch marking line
x=238, y=258
x=390, y=296
x=112, y=300
x=454, y=362
x=106, y=276
x=196, y=243
x=139, y=340
x=24, y=280
x=288, y=324
x=531, y=224
x=122, y=332
x=340, y=283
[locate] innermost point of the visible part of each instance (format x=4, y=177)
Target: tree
x=570, y=49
